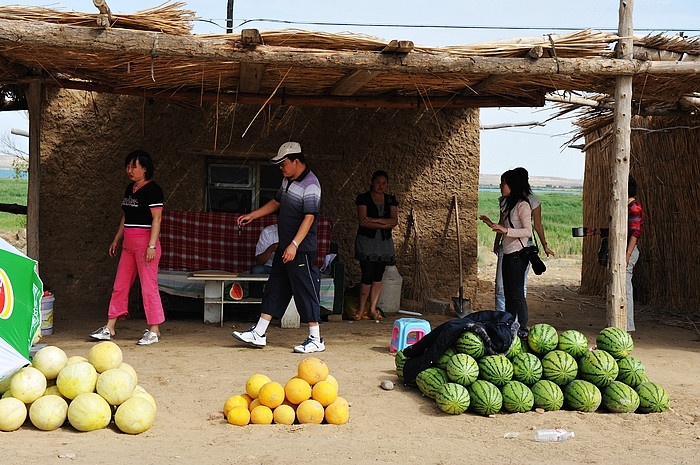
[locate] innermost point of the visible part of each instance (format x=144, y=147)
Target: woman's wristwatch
x=152, y=247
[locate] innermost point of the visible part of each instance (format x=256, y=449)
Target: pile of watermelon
x=547, y=371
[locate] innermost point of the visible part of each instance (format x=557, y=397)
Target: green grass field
x=13, y=191
x=560, y=213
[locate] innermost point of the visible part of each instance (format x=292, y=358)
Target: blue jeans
x=630, y=290
x=256, y=288
x=514, y=270
x=500, y=296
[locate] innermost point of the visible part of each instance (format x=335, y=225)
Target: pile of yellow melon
x=88, y=392
x=309, y=397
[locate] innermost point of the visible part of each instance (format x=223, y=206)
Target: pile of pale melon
x=309, y=397
x=88, y=392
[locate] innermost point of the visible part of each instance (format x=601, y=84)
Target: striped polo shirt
x=298, y=198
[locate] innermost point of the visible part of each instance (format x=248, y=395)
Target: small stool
x=403, y=327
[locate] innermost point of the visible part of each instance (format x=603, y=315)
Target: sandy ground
x=196, y=367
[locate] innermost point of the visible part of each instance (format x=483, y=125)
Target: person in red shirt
x=635, y=220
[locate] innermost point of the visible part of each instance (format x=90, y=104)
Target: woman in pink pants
x=140, y=226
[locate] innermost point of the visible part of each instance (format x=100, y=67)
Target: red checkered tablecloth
x=192, y=241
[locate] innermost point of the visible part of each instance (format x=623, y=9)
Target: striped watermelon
x=471, y=344
x=582, y=396
x=573, y=343
x=615, y=341
x=620, y=398
x=430, y=380
x=542, y=338
x=444, y=359
x=527, y=368
x=559, y=367
x=631, y=372
x=486, y=398
x=496, y=369
x=462, y=369
x=517, y=397
x=547, y=395
x=400, y=361
x=652, y=398
x=452, y=398
x=515, y=348
x=598, y=367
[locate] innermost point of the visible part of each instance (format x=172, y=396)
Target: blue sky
x=464, y=21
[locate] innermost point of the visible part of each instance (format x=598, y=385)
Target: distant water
x=536, y=191
x=7, y=173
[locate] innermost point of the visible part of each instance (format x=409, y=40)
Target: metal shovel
x=463, y=307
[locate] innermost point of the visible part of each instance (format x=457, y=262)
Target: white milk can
x=390, y=296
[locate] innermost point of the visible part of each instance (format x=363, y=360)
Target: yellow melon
x=77, y=378
x=13, y=412
x=28, y=384
x=50, y=361
x=284, y=415
x=239, y=416
x=337, y=413
x=325, y=392
x=332, y=379
x=297, y=390
x=234, y=401
x=48, y=412
x=312, y=370
x=261, y=415
x=254, y=383
x=135, y=415
x=254, y=403
x=310, y=411
x=105, y=355
x=271, y=395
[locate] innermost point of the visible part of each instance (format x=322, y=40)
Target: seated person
x=265, y=249
x=264, y=252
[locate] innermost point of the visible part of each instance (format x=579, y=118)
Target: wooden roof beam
x=128, y=42
x=435, y=103
x=353, y=81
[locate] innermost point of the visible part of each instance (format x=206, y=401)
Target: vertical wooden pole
x=616, y=305
x=33, y=94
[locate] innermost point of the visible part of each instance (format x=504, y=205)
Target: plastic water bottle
x=552, y=435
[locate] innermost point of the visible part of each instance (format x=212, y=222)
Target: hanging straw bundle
x=168, y=17
x=419, y=278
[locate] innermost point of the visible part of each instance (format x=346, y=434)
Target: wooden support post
x=34, y=96
x=104, y=19
x=616, y=304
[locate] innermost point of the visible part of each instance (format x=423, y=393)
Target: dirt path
x=196, y=367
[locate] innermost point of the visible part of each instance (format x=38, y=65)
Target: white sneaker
x=310, y=345
x=148, y=338
x=250, y=337
x=102, y=334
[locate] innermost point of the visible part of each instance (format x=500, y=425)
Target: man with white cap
x=293, y=267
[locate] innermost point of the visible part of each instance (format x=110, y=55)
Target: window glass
x=240, y=187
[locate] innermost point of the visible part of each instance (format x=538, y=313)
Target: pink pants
x=131, y=263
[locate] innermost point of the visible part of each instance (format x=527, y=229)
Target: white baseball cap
x=286, y=149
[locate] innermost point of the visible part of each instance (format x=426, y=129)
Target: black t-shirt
x=137, y=205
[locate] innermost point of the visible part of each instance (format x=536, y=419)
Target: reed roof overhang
x=154, y=54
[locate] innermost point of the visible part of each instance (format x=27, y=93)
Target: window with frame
x=240, y=187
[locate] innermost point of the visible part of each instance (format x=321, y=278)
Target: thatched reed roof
x=152, y=53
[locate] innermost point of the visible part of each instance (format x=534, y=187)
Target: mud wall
x=430, y=156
